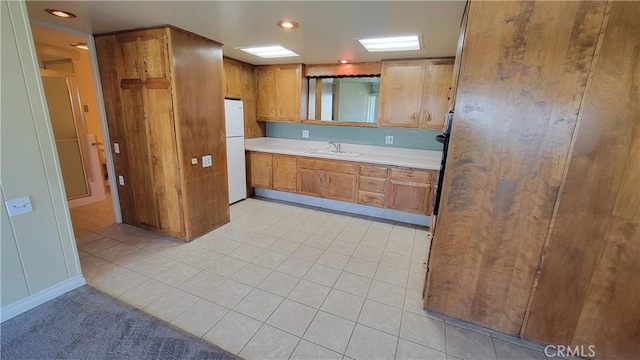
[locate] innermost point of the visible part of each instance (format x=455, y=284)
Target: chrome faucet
x=336, y=146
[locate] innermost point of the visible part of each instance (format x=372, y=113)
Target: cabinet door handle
x=155, y=160
x=135, y=68
x=144, y=63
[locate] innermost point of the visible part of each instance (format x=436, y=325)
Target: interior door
x=164, y=158
x=62, y=101
x=139, y=163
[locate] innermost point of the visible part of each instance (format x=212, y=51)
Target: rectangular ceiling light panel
x=396, y=43
x=269, y=52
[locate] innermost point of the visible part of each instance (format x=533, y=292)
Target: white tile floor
x=286, y=282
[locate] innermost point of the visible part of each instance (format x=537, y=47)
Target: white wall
x=39, y=259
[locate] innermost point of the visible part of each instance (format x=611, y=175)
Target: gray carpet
x=88, y=324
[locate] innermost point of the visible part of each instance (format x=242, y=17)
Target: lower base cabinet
x=341, y=186
x=390, y=187
x=408, y=190
x=311, y=182
x=261, y=170
x=285, y=173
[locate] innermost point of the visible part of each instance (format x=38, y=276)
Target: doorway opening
x=69, y=85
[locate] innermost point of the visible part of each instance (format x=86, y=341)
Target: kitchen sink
x=334, y=153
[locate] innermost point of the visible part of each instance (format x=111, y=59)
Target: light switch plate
x=388, y=140
x=116, y=148
x=305, y=134
x=18, y=206
x=121, y=180
x=206, y=161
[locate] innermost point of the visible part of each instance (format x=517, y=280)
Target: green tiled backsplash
x=402, y=138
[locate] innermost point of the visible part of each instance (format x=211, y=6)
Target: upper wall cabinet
x=232, y=79
x=142, y=56
x=280, y=93
x=413, y=93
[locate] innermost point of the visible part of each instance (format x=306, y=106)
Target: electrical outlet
x=121, y=180
x=206, y=161
x=18, y=206
x=388, y=140
x=116, y=148
x=305, y=134
x=194, y=161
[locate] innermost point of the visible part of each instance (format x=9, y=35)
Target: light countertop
x=418, y=159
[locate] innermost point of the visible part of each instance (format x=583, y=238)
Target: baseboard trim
x=358, y=209
x=28, y=303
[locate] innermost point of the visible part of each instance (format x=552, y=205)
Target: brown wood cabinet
x=281, y=94
x=232, y=79
x=413, y=93
x=404, y=189
x=401, y=91
x=241, y=83
x=261, y=170
x=436, y=89
x=148, y=79
x=408, y=190
x=326, y=178
x=311, y=182
x=372, y=185
x=539, y=223
x=285, y=172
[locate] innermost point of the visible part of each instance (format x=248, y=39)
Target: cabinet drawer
x=332, y=166
x=373, y=171
x=372, y=184
x=367, y=198
x=417, y=176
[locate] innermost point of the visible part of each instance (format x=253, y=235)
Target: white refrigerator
x=235, y=150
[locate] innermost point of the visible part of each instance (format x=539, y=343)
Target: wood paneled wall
x=200, y=130
x=589, y=290
x=523, y=73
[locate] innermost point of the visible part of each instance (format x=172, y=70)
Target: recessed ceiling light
x=287, y=24
x=396, y=43
x=344, y=61
x=60, y=13
x=80, y=45
x=268, y=52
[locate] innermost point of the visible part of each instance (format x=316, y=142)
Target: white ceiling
x=327, y=31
